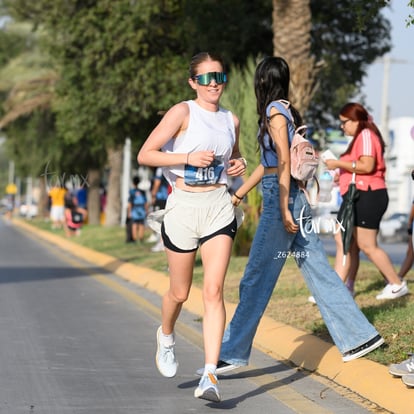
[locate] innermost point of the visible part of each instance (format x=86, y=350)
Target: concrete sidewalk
x=364, y=377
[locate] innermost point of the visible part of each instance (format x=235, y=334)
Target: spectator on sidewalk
x=75, y=217
x=364, y=160
x=11, y=191
x=137, y=210
x=57, y=206
x=82, y=196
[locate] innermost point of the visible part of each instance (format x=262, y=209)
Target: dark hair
x=203, y=57
x=356, y=112
x=271, y=83
x=135, y=180
x=69, y=202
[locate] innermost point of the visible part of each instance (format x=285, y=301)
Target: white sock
x=167, y=340
x=210, y=368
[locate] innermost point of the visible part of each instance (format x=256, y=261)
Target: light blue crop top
x=268, y=155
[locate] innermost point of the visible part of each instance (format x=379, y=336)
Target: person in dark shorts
x=364, y=159
x=137, y=210
x=196, y=142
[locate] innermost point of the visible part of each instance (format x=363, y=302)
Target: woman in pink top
x=365, y=157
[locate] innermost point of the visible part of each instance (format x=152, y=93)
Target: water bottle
x=325, y=187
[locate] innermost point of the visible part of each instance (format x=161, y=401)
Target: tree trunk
x=113, y=205
x=292, y=23
x=94, y=201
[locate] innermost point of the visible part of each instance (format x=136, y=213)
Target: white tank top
x=206, y=131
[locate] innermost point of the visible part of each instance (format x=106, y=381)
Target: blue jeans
x=347, y=325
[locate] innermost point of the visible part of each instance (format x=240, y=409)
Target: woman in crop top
x=364, y=157
x=197, y=160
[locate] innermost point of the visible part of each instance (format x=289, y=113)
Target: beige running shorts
x=190, y=216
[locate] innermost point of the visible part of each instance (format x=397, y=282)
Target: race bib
x=204, y=176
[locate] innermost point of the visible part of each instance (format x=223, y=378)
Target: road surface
x=77, y=339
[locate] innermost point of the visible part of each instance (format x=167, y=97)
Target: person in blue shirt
x=137, y=210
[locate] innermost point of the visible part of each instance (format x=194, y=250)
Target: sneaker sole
x=209, y=395
x=398, y=373
x=408, y=379
x=363, y=352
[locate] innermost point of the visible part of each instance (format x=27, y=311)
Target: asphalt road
x=77, y=339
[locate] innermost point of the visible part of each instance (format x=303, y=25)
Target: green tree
x=119, y=62
x=26, y=87
x=358, y=34
x=410, y=18
x=328, y=43
x=239, y=97
x=112, y=57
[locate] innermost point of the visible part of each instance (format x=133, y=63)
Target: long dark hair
x=271, y=83
x=356, y=112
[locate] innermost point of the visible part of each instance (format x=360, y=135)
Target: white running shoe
x=393, y=291
x=165, y=359
x=311, y=299
x=153, y=238
x=159, y=247
x=208, y=388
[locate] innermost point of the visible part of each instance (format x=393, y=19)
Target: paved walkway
x=368, y=379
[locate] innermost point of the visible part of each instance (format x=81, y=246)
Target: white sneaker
x=153, y=238
x=165, y=358
x=208, y=388
x=311, y=299
x=393, y=291
x=159, y=247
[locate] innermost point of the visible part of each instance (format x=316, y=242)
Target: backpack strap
x=302, y=127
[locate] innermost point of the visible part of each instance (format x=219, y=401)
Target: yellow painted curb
x=364, y=377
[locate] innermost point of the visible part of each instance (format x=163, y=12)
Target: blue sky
x=401, y=74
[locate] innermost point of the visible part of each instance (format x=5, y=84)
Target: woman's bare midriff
x=179, y=183
x=272, y=170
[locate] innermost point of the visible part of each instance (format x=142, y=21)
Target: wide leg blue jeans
x=347, y=325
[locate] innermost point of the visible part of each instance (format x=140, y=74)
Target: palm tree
x=292, y=23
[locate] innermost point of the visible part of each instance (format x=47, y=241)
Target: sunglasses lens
x=205, y=78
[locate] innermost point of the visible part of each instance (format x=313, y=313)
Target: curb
x=367, y=378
